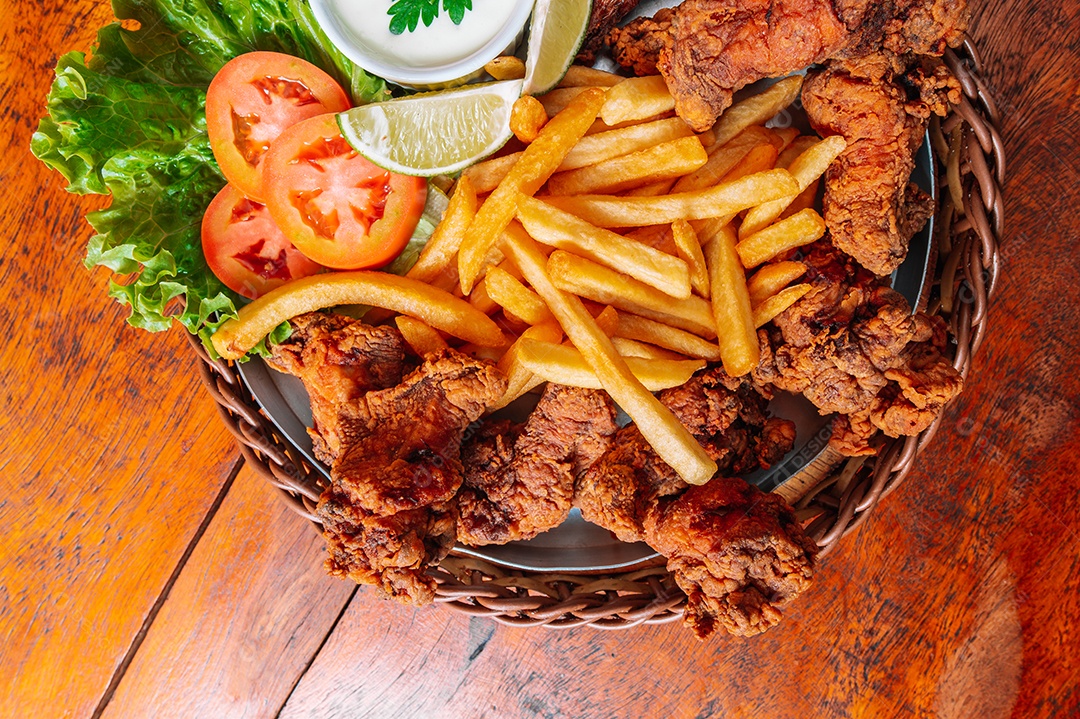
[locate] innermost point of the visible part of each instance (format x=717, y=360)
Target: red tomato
x=245, y=249
x=336, y=207
x=252, y=99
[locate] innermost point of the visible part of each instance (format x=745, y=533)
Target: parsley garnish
x=404, y=14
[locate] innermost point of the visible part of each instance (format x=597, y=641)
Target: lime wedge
x=555, y=36
x=433, y=133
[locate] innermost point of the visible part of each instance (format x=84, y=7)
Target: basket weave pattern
x=834, y=507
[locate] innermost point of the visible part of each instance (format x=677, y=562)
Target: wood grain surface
x=143, y=573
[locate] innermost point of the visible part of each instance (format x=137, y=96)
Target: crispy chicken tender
x=871, y=209
x=519, y=479
x=605, y=14
x=738, y=553
x=707, y=49
x=852, y=346
x=392, y=443
x=339, y=360
x=389, y=514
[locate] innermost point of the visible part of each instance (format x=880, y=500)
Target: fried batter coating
x=738, y=553
x=707, y=49
x=519, y=479
x=871, y=209
x=725, y=415
x=393, y=445
x=852, y=346
x=339, y=360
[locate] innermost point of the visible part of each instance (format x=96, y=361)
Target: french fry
x=602, y=146
x=558, y=100
x=486, y=175
x=798, y=146
x=805, y=168
x=658, y=237
x=519, y=379
x=756, y=160
x=653, y=189
x=772, y=278
x=506, y=67
x=437, y=257
x=532, y=170
x=735, y=328
x=420, y=336
x=633, y=348
x=516, y=298
x=404, y=295
x=756, y=109
x=600, y=284
x=581, y=76
x=759, y=159
x=722, y=200
x=667, y=436
x=566, y=365
x=800, y=229
x=665, y=161
x=607, y=320
x=689, y=249
x=556, y=228
x=636, y=98
x=478, y=297
x=481, y=300
x=599, y=125
x=806, y=200
x=779, y=302
x=787, y=136
x=527, y=116
x=724, y=159
x=663, y=335
x=717, y=166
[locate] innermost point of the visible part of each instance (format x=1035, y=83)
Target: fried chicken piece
x=605, y=15
x=388, y=514
x=707, y=49
x=727, y=416
x=339, y=360
x=637, y=45
x=852, y=346
x=409, y=454
x=871, y=209
x=738, y=553
x=519, y=479
x=391, y=552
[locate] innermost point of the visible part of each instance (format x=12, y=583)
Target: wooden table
x=145, y=571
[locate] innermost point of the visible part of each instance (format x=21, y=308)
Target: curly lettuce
x=130, y=122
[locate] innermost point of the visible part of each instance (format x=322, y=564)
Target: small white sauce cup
x=458, y=71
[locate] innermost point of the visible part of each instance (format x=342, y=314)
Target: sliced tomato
x=245, y=249
x=337, y=207
x=252, y=99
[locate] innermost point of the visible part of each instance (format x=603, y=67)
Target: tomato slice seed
x=269, y=268
x=286, y=88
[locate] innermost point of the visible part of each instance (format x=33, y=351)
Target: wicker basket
x=967, y=273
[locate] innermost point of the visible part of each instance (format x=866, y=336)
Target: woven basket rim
x=834, y=507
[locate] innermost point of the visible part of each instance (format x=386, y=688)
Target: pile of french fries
x=612, y=251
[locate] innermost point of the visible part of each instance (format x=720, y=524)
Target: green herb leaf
x=456, y=9
x=406, y=14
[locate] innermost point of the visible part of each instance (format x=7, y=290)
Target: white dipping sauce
x=432, y=46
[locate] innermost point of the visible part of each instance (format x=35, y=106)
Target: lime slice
x=555, y=36
x=433, y=133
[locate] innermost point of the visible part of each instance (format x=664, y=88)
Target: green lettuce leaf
x=129, y=121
